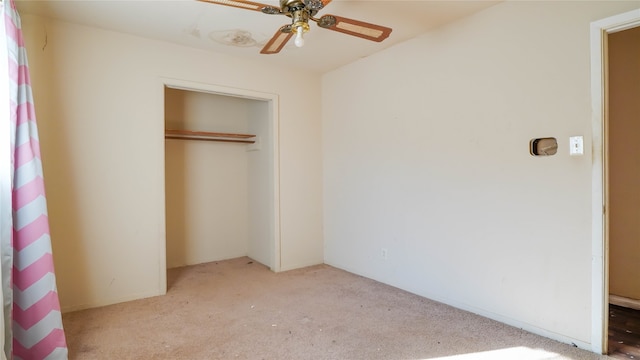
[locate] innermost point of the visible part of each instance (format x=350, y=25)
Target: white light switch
x=576, y=146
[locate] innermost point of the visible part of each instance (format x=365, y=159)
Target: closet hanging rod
x=209, y=136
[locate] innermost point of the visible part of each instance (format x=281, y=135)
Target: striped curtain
x=33, y=323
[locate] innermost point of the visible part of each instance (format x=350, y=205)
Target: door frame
x=273, y=102
x=600, y=232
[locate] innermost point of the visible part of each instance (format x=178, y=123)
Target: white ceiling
x=203, y=25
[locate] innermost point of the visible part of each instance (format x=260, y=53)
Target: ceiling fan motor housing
x=300, y=21
x=310, y=7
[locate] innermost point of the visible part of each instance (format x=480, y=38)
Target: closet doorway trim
x=272, y=100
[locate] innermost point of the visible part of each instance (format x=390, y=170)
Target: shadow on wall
x=175, y=203
x=67, y=232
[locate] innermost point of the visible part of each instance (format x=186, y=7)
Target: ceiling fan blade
x=247, y=5
x=357, y=28
x=278, y=41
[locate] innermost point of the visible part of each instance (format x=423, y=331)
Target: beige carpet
x=238, y=309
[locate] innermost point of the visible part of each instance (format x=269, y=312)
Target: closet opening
x=221, y=185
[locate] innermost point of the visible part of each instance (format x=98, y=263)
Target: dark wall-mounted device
x=543, y=146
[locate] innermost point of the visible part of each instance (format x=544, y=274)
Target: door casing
x=600, y=240
x=272, y=99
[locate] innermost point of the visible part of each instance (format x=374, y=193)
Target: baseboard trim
x=107, y=302
x=585, y=345
x=624, y=302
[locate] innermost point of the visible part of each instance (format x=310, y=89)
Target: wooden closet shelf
x=209, y=136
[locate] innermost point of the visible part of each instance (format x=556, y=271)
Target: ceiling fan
x=300, y=12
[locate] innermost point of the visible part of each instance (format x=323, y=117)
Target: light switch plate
x=576, y=145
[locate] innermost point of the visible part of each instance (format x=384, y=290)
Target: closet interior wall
x=217, y=193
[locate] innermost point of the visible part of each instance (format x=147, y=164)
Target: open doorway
x=623, y=174
x=221, y=175
x=615, y=87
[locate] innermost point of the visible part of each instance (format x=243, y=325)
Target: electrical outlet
x=383, y=253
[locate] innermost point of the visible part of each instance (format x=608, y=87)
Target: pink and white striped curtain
x=33, y=323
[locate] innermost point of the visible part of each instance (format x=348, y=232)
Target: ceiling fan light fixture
x=299, y=29
x=299, y=40
x=300, y=26
x=300, y=12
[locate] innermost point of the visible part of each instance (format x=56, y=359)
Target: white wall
x=426, y=155
x=99, y=98
x=261, y=186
